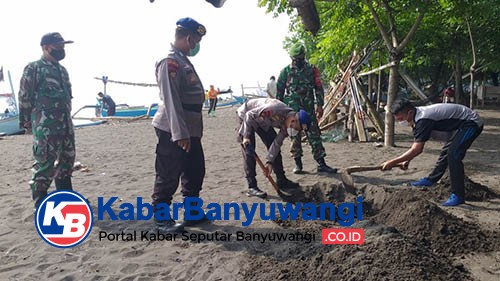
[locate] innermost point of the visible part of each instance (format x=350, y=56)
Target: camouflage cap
x=191, y=25
x=53, y=38
x=296, y=49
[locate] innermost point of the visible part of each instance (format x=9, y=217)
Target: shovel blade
x=347, y=179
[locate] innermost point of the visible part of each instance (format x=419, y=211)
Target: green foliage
x=348, y=25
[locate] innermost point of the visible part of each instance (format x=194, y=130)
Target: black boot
x=63, y=183
x=284, y=183
x=298, y=166
x=187, y=222
x=38, y=196
x=168, y=226
x=253, y=190
x=323, y=168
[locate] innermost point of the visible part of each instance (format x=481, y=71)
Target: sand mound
x=412, y=214
x=473, y=191
x=408, y=236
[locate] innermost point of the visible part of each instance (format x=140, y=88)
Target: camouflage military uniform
x=45, y=101
x=302, y=89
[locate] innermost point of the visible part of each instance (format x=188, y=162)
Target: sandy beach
x=408, y=235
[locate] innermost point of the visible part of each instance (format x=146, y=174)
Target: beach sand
x=408, y=236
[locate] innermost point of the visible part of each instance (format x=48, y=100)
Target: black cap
x=400, y=104
x=191, y=25
x=53, y=38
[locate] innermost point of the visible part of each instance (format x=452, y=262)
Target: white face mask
x=292, y=132
x=404, y=123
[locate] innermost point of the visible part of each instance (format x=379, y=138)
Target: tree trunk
x=472, y=68
x=392, y=93
x=307, y=13
x=494, y=78
x=459, y=93
x=435, y=76
x=471, y=101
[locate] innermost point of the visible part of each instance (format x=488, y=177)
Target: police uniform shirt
x=182, y=96
x=264, y=113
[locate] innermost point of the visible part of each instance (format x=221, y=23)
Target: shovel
x=347, y=178
x=263, y=167
x=288, y=197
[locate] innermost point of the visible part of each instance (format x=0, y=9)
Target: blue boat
x=124, y=110
x=9, y=123
x=9, y=113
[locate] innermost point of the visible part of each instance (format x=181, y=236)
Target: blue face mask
x=194, y=50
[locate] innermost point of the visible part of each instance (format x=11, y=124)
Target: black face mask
x=299, y=63
x=58, y=54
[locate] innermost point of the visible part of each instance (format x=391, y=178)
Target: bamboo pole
x=331, y=124
x=350, y=122
x=372, y=113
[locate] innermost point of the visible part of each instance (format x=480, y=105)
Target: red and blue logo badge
x=64, y=219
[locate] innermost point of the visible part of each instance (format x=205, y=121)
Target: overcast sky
x=124, y=38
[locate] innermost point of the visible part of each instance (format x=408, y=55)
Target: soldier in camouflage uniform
x=45, y=109
x=299, y=86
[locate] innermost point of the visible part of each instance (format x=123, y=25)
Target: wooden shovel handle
x=263, y=167
x=353, y=169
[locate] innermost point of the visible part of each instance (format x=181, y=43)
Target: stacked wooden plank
x=358, y=109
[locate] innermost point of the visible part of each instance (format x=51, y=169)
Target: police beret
x=296, y=49
x=304, y=118
x=53, y=38
x=192, y=25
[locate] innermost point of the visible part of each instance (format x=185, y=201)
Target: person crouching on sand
x=261, y=116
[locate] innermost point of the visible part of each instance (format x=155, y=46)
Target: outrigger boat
x=125, y=112
x=9, y=117
x=9, y=113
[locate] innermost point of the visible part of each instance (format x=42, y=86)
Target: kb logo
x=64, y=219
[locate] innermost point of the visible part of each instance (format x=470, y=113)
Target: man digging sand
x=261, y=116
x=464, y=126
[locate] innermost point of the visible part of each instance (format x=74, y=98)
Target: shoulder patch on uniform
x=172, y=67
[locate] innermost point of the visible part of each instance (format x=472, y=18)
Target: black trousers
x=249, y=153
x=452, y=154
x=174, y=164
x=111, y=111
x=213, y=105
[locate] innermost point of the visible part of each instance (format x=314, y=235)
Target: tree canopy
x=348, y=25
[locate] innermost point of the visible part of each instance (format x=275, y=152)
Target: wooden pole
x=350, y=122
x=372, y=113
x=379, y=88
x=370, y=87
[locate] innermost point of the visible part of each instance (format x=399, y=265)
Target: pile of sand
x=408, y=237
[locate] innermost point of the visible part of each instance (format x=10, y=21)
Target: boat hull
x=10, y=126
x=132, y=111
